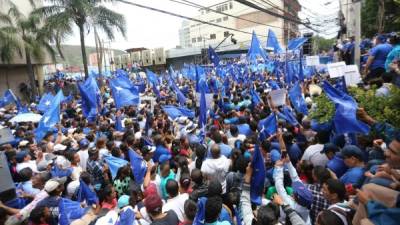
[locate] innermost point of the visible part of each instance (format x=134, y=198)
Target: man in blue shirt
x=353, y=158
x=377, y=58
x=335, y=163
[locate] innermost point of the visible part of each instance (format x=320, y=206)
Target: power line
x=185, y=17
x=192, y=4
x=254, y=6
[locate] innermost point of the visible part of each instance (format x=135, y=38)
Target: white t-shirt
x=83, y=156
x=314, y=155
x=76, y=172
x=217, y=168
x=31, y=164
x=177, y=205
x=232, y=140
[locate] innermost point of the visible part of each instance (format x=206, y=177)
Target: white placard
x=209, y=99
x=336, y=69
x=312, y=60
x=278, y=97
x=352, y=75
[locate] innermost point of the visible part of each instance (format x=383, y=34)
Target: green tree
x=322, y=44
x=61, y=15
x=23, y=35
x=379, y=16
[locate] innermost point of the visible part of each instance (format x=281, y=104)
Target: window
x=219, y=20
x=225, y=7
x=230, y=5
x=193, y=40
x=226, y=33
x=225, y=18
x=219, y=8
x=199, y=39
x=211, y=21
x=213, y=36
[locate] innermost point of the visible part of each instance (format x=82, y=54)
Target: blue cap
x=275, y=155
x=163, y=158
x=123, y=201
x=352, y=150
x=330, y=147
x=20, y=156
x=84, y=143
x=382, y=38
x=303, y=195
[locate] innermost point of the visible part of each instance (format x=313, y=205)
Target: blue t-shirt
x=394, y=54
x=336, y=165
x=225, y=150
x=353, y=176
x=160, y=150
x=244, y=129
x=295, y=153
x=380, y=53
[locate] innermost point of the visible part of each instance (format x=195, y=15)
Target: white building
x=198, y=35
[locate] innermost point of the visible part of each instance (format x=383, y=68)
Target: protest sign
x=336, y=69
x=352, y=75
x=312, y=60
x=278, y=97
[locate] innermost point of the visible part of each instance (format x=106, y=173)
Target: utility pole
x=357, y=31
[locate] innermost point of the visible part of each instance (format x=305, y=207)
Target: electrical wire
x=185, y=17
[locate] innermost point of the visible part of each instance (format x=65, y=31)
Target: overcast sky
x=151, y=29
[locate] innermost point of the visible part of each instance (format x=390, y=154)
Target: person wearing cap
x=96, y=168
x=154, y=204
x=83, y=153
x=375, y=66
x=335, y=163
x=24, y=160
x=353, y=158
x=54, y=188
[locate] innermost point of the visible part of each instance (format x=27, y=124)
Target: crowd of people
x=166, y=171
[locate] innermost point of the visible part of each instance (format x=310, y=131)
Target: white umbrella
x=26, y=117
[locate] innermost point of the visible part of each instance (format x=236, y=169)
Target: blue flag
x=123, y=96
x=85, y=193
x=341, y=84
x=138, y=166
x=175, y=112
x=345, y=119
x=258, y=176
x=288, y=116
x=301, y=72
x=45, y=102
x=152, y=78
x=127, y=217
x=50, y=118
x=255, y=49
x=255, y=97
x=118, y=124
x=272, y=42
x=268, y=126
x=114, y=163
x=213, y=56
x=296, y=43
x=297, y=99
x=69, y=211
x=91, y=98
x=199, y=219
x=180, y=96
x=10, y=97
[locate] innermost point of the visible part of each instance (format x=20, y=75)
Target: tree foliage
x=369, y=17
x=323, y=44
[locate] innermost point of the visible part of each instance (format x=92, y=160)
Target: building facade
x=198, y=35
x=13, y=73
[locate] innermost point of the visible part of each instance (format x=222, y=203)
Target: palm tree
x=23, y=35
x=63, y=14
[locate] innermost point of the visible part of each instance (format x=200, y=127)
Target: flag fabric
x=213, y=56
x=175, y=112
x=255, y=97
x=85, y=193
x=272, y=42
x=268, y=126
x=258, y=176
x=138, y=166
x=114, y=163
x=152, y=78
x=301, y=72
x=118, y=124
x=69, y=211
x=345, y=119
x=50, y=118
x=45, y=102
x=288, y=116
x=255, y=49
x=127, y=217
x=341, y=84
x=91, y=98
x=123, y=95
x=297, y=99
x=199, y=219
x=296, y=43
x=9, y=97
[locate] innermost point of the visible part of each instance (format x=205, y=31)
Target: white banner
x=352, y=75
x=312, y=60
x=336, y=69
x=278, y=97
